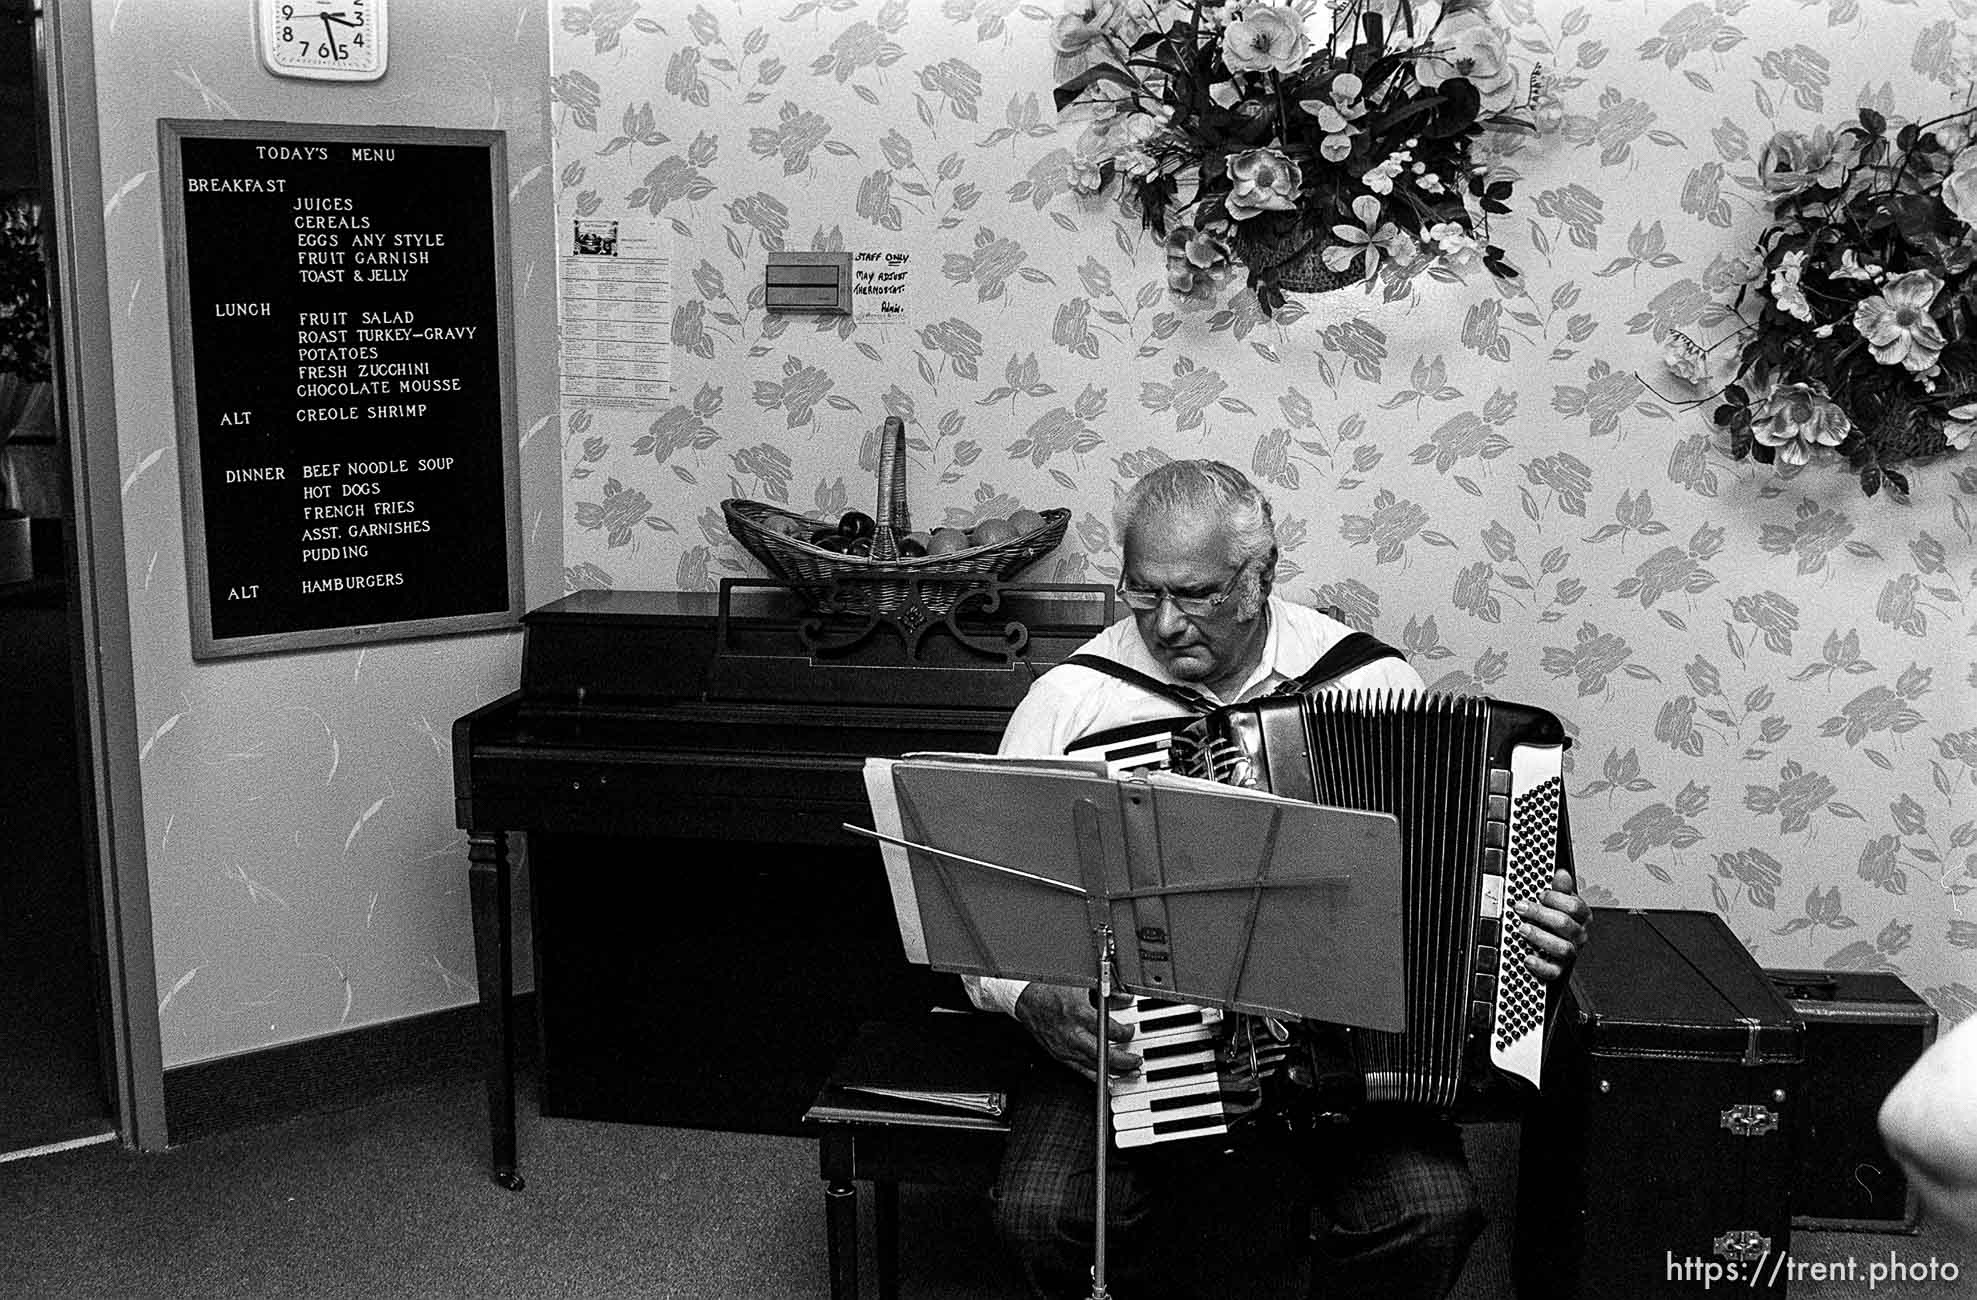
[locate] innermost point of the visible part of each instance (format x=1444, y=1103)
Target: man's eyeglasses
x=1146, y=599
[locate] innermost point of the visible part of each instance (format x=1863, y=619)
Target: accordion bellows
x=1477, y=787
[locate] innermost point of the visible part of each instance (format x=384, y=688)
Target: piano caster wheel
x=509, y=1179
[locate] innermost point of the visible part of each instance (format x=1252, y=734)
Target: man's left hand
x=1555, y=927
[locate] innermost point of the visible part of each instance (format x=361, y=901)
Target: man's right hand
x=1065, y=1022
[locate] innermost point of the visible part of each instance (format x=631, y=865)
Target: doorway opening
x=54, y=1016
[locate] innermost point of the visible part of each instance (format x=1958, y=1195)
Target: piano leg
x=885, y=1235
x=841, y=1226
x=487, y=876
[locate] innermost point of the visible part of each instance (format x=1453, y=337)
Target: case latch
x=1749, y=1121
x=1743, y=1245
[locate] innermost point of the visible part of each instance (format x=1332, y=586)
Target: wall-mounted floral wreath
x=1317, y=144
x=1862, y=345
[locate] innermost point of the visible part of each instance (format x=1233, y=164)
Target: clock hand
x=340, y=20
x=329, y=35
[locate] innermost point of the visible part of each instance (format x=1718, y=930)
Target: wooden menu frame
x=343, y=355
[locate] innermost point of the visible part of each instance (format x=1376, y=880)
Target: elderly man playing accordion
x=1397, y=1203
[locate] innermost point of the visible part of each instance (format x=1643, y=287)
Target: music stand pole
x=1103, y=1111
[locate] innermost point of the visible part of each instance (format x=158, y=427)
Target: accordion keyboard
x=1177, y=1092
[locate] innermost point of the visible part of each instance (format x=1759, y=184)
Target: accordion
x=1476, y=786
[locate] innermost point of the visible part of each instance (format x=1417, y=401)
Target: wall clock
x=325, y=40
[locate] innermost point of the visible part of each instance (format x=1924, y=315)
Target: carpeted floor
x=393, y=1200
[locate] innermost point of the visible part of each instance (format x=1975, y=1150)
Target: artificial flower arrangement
x=24, y=333
x=25, y=338
x=1863, y=284
x=1316, y=143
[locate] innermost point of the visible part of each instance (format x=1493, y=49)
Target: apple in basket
x=845, y=536
x=1025, y=522
x=946, y=541
x=992, y=532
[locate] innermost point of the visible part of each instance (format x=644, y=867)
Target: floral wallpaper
x=1768, y=676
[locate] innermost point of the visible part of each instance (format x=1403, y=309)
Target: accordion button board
x=1537, y=794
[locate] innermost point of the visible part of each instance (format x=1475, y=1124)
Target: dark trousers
x=1392, y=1199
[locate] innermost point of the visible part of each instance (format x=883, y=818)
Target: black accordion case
x=1658, y=1160
x=1863, y=1030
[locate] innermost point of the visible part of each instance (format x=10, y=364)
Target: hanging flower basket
x=1296, y=259
x=1853, y=343
x=1238, y=130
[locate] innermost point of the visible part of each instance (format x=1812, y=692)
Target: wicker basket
x=1297, y=255
x=885, y=581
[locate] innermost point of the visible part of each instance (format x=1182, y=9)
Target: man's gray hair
x=1190, y=486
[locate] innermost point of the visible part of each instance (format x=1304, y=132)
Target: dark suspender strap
x=1352, y=651
x=1181, y=695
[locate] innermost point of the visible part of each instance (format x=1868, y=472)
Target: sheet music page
x=899, y=873
x=974, y=1103
x=1046, y=763
x=1177, y=781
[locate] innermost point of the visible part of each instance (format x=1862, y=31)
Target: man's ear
x=1266, y=574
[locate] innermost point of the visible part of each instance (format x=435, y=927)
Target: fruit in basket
x=1025, y=522
x=992, y=532
x=854, y=524
x=831, y=541
x=860, y=546
x=946, y=541
x=914, y=545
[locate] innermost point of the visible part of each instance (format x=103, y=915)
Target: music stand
x=1232, y=898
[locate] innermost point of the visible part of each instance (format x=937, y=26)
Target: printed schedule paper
x=615, y=302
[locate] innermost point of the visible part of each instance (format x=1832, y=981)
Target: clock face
x=332, y=40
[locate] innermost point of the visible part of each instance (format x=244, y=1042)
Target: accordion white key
x=1201, y=1074
x=1177, y=1091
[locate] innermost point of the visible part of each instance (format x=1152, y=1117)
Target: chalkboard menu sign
x=345, y=375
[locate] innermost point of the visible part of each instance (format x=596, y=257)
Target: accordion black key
x=1476, y=785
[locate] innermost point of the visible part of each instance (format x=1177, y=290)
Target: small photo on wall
x=595, y=239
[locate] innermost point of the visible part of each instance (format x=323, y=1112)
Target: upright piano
x=706, y=934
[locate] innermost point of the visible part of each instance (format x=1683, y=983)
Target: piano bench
x=866, y=1137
